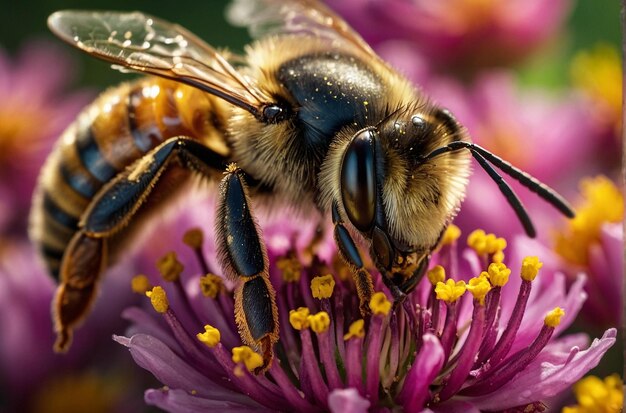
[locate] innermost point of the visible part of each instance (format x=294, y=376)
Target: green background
x=591, y=21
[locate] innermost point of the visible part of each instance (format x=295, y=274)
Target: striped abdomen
x=117, y=129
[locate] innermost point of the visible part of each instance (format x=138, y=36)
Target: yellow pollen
x=437, y=274
x=356, y=330
x=290, y=268
x=211, y=285
x=451, y=234
x=322, y=287
x=158, y=299
x=602, y=203
x=486, y=244
x=596, y=395
x=379, y=304
x=498, y=256
x=193, y=238
x=498, y=274
x=553, y=318
x=299, y=318
x=169, y=267
x=530, y=268
x=247, y=356
x=319, y=322
x=140, y=284
x=450, y=291
x=211, y=336
x=479, y=287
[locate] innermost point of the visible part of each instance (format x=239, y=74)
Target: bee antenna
x=509, y=194
x=483, y=157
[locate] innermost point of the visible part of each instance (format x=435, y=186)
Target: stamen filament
x=517, y=362
x=310, y=369
x=353, y=366
x=466, y=355
x=327, y=354
x=372, y=371
x=506, y=340
x=290, y=392
x=449, y=330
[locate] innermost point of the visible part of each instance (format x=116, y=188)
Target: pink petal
x=154, y=356
x=180, y=401
x=347, y=401
x=549, y=374
x=425, y=368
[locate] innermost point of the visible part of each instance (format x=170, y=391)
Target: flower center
x=602, y=203
x=21, y=127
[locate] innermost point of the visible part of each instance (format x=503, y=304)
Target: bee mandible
x=309, y=115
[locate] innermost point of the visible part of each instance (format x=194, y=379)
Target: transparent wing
x=309, y=17
x=139, y=42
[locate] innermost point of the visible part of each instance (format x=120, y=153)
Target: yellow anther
x=450, y=291
x=437, y=274
x=158, y=299
x=248, y=357
x=319, y=322
x=451, y=234
x=498, y=274
x=290, y=268
x=169, y=267
x=211, y=336
x=193, y=238
x=497, y=256
x=479, y=287
x=211, y=285
x=484, y=243
x=530, y=268
x=299, y=318
x=322, y=287
x=140, y=284
x=476, y=240
x=553, y=318
x=356, y=330
x=379, y=304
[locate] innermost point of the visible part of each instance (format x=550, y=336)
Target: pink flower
x=458, y=35
x=32, y=375
x=34, y=110
x=501, y=347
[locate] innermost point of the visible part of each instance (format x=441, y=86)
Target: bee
x=309, y=116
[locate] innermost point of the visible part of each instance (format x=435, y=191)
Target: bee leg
x=111, y=211
x=82, y=264
x=350, y=254
x=243, y=258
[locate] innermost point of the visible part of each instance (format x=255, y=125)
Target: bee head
x=398, y=202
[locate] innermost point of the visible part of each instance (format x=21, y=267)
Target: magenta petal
x=154, y=356
x=347, y=401
x=425, y=368
x=549, y=374
x=455, y=406
x=180, y=401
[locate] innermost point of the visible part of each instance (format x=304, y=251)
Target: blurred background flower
x=35, y=107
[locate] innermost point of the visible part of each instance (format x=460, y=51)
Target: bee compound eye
x=358, y=180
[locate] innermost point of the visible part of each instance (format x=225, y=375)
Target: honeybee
x=309, y=115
